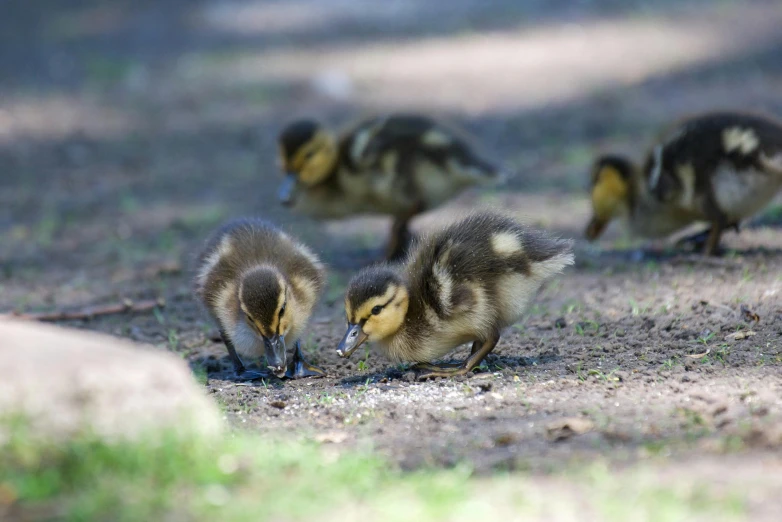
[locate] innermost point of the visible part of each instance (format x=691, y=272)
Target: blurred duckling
x=718, y=167
x=260, y=286
x=462, y=284
x=399, y=165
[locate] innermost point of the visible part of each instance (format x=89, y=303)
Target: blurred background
x=128, y=129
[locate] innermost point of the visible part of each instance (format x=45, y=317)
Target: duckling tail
x=553, y=255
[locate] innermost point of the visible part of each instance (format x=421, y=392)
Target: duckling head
x=308, y=153
x=376, y=304
x=263, y=298
x=610, y=192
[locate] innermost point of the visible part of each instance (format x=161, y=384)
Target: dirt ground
x=128, y=130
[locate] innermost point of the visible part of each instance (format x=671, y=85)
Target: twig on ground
x=127, y=306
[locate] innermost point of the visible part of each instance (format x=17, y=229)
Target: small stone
x=568, y=427
x=278, y=404
x=560, y=323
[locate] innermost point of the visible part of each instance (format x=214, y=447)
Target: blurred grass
x=250, y=478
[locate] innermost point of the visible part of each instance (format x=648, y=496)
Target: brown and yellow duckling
x=719, y=167
x=462, y=284
x=260, y=286
x=397, y=165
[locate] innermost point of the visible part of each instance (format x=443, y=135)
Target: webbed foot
x=441, y=371
x=250, y=375
x=298, y=368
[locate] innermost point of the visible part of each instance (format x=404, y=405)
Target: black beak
x=595, y=228
x=354, y=338
x=275, y=354
x=287, y=191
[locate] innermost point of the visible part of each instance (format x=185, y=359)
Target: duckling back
x=243, y=244
x=474, y=278
x=718, y=164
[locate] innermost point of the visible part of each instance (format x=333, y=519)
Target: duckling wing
x=485, y=264
x=736, y=153
x=397, y=143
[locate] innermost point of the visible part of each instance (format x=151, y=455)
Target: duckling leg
x=699, y=239
x=401, y=237
x=299, y=368
x=713, y=242
x=477, y=354
x=242, y=373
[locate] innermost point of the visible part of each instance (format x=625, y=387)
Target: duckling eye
x=282, y=310
x=376, y=310
x=309, y=155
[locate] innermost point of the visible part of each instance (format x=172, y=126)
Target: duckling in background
x=718, y=167
x=399, y=165
x=260, y=286
x=462, y=284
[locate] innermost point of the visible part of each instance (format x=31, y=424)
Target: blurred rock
x=63, y=381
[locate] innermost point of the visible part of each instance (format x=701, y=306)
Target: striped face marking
x=382, y=315
x=314, y=160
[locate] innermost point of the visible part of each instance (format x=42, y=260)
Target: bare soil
x=128, y=130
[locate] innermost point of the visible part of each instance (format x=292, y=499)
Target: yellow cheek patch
x=609, y=191
x=314, y=159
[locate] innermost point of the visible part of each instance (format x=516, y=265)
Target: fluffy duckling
x=260, y=286
x=718, y=167
x=398, y=165
x=462, y=284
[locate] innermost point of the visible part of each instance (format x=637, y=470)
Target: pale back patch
x=743, y=140
x=657, y=167
x=686, y=175
x=436, y=139
x=445, y=286
x=506, y=244
x=359, y=145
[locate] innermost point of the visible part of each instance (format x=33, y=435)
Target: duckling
x=259, y=286
x=398, y=165
x=462, y=284
x=717, y=167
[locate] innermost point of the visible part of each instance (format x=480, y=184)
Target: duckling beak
x=354, y=338
x=595, y=228
x=287, y=191
x=275, y=354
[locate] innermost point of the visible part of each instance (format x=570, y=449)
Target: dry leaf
x=748, y=315
x=565, y=428
x=743, y=334
x=699, y=355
